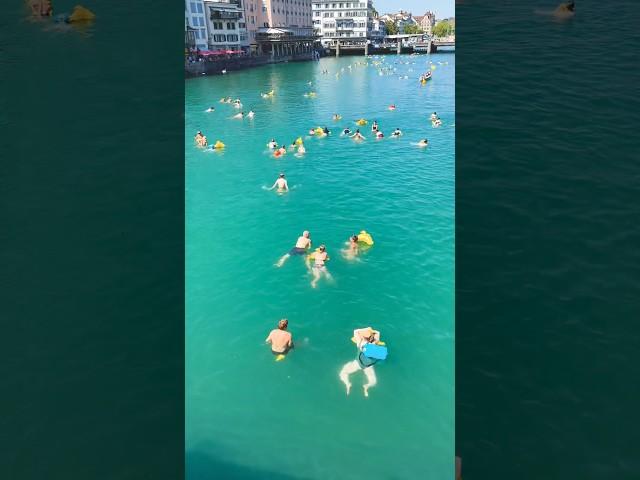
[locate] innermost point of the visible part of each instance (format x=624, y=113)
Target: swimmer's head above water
x=322, y=248
x=283, y=324
x=282, y=175
x=305, y=234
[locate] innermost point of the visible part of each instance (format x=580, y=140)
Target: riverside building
x=195, y=24
x=280, y=27
x=348, y=22
x=226, y=25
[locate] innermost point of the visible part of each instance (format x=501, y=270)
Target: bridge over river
x=391, y=44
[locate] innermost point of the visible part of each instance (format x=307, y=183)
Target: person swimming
x=281, y=183
x=198, y=138
x=250, y=114
x=326, y=131
x=319, y=268
x=434, y=116
x=302, y=244
x=312, y=132
x=423, y=143
x=282, y=150
x=336, y=117
x=301, y=149
x=352, y=249
x=239, y=115
x=379, y=134
x=210, y=109
x=272, y=144
x=374, y=126
x=392, y=107
x=357, y=135
x=396, y=133
x=346, y=131
x=436, y=123
x=362, y=337
x=281, y=341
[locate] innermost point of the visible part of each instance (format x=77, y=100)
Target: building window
x=200, y=8
x=242, y=25
x=193, y=7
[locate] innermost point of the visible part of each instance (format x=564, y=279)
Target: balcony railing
x=218, y=15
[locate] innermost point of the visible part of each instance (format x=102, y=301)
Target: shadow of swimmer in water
x=42, y=11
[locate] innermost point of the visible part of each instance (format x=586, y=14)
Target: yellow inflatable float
x=365, y=238
x=362, y=121
x=319, y=131
x=81, y=14
x=218, y=145
x=299, y=141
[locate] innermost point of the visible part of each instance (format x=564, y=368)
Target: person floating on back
x=318, y=268
x=370, y=351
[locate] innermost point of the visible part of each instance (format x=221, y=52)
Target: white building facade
x=195, y=18
x=226, y=25
x=346, y=21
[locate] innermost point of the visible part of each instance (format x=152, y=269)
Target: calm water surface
x=249, y=416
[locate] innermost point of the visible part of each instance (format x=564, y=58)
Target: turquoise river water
x=248, y=416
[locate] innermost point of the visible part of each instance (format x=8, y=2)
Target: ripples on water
x=538, y=184
x=236, y=395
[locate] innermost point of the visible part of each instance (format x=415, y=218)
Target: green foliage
x=442, y=29
x=412, y=29
x=391, y=27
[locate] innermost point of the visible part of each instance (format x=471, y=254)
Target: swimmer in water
x=239, y=116
x=357, y=135
x=326, y=131
x=210, y=109
x=362, y=337
x=319, y=268
x=281, y=341
x=346, y=131
x=352, y=249
x=282, y=150
x=379, y=134
x=204, y=143
x=302, y=244
x=301, y=150
x=565, y=10
x=396, y=133
x=250, y=114
x=423, y=143
x=281, y=183
x=434, y=116
x=436, y=123
x=374, y=126
x=198, y=138
x=392, y=107
x=312, y=132
x=336, y=117
x=272, y=144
